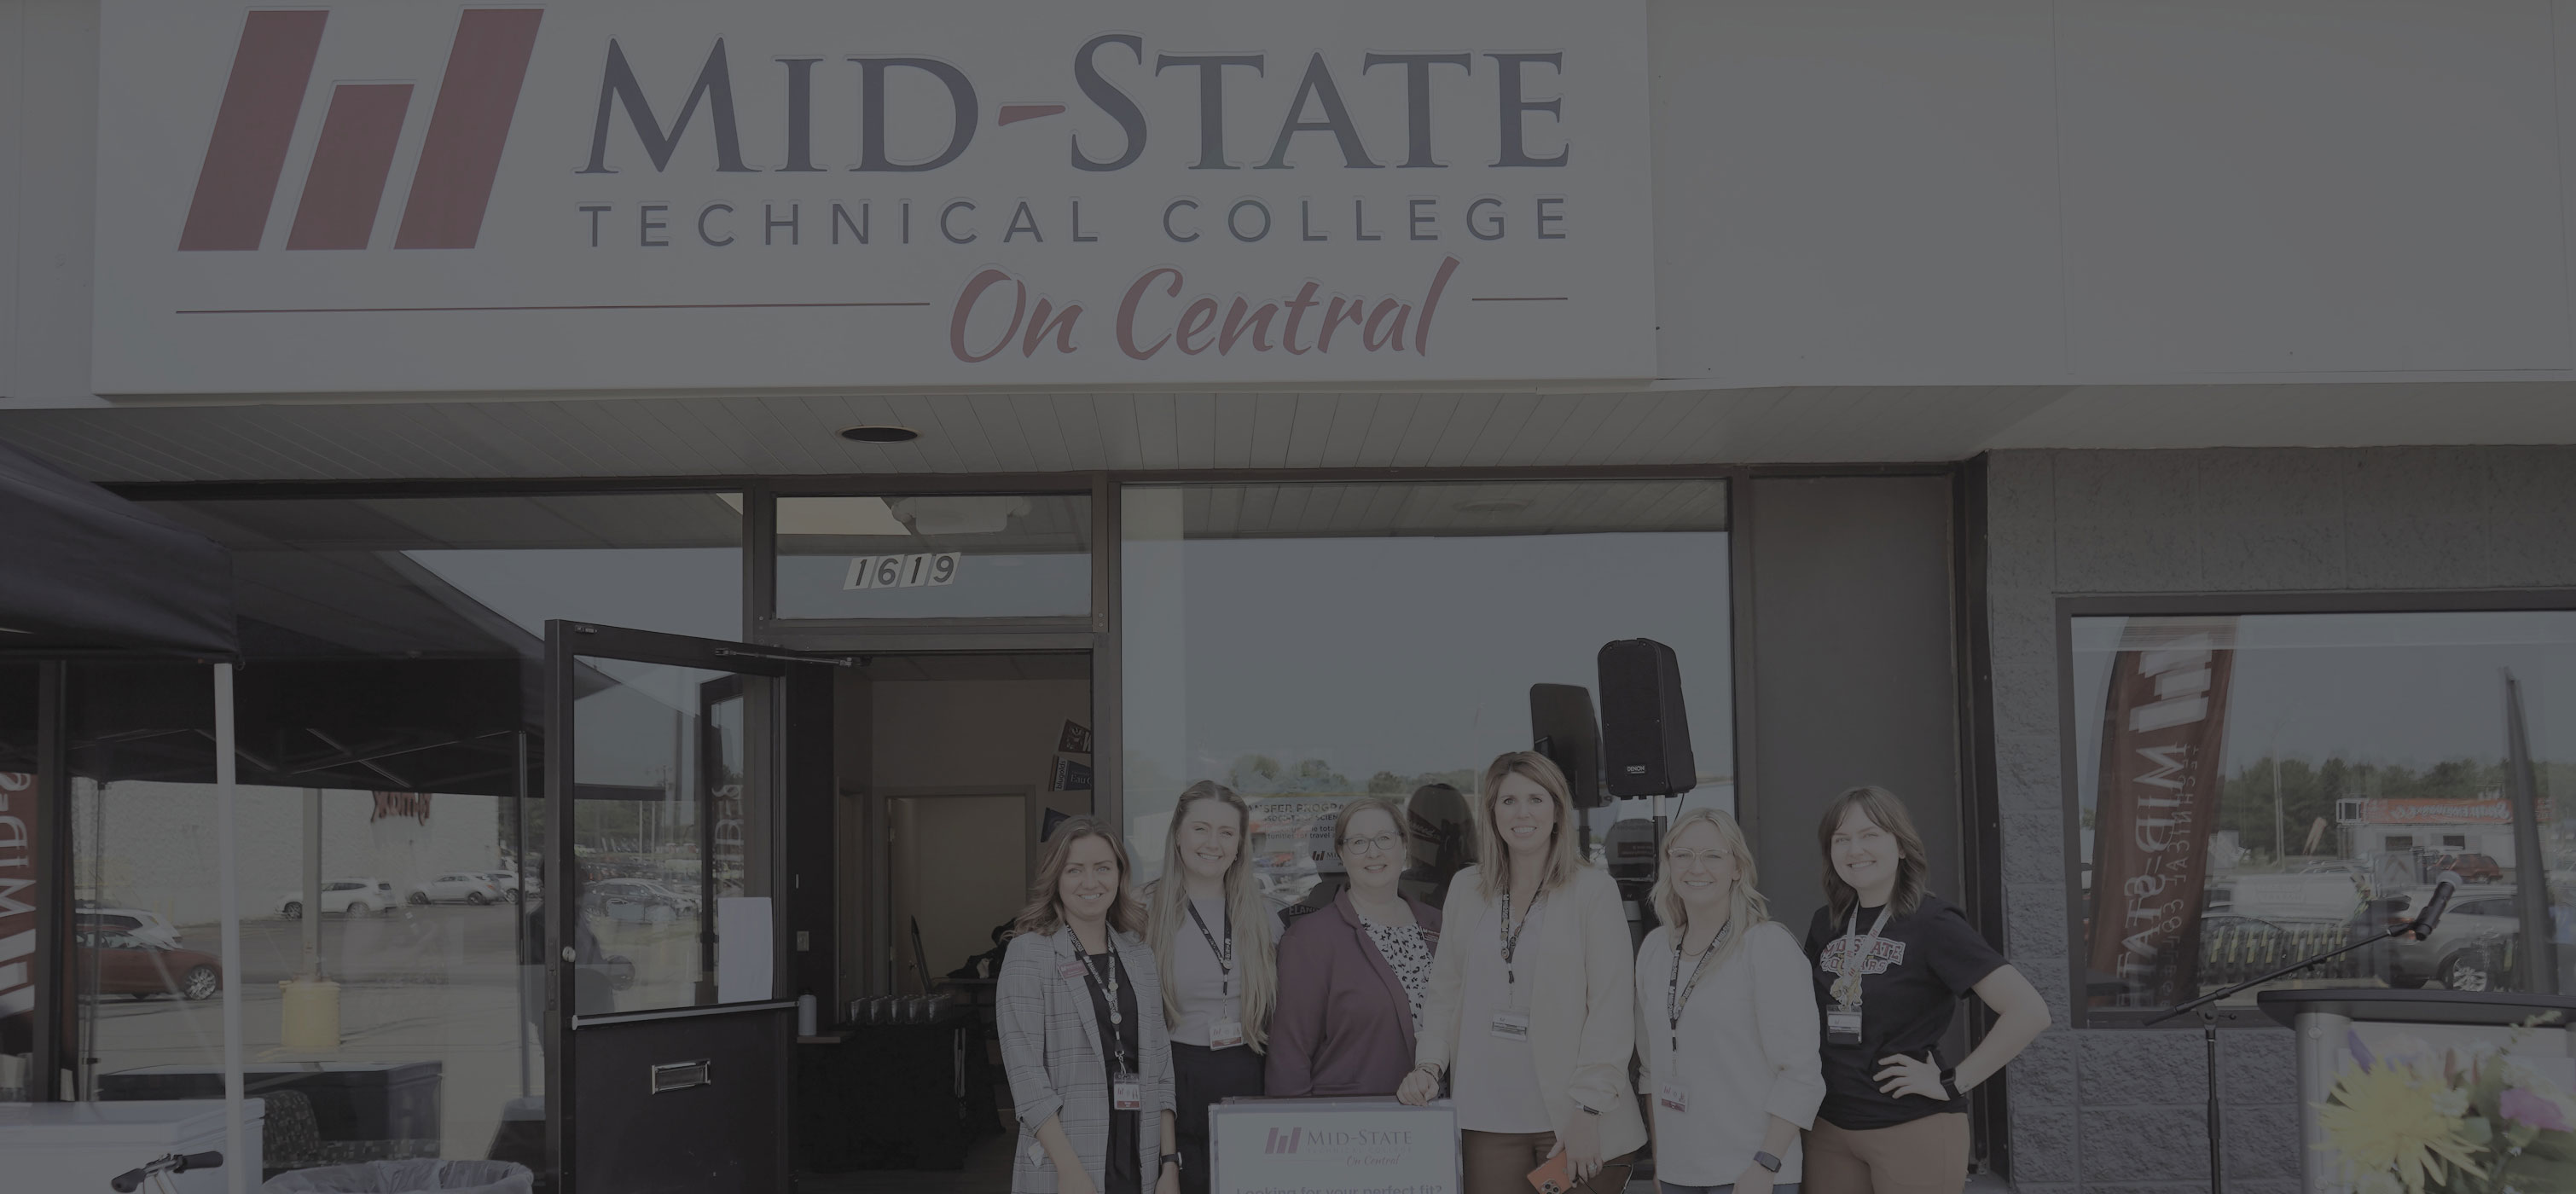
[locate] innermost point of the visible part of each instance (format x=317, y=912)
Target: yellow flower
x=2383, y=1119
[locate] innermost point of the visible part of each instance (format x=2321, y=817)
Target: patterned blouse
x=1409, y=955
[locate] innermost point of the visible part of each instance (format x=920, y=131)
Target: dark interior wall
x=1852, y=667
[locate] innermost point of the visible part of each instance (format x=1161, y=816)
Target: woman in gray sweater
x=1091, y=1078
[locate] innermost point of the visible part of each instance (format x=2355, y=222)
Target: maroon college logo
x=264, y=97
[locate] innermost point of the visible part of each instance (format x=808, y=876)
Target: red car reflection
x=127, y=965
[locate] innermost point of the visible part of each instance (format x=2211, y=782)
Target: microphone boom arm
x=2396, y=930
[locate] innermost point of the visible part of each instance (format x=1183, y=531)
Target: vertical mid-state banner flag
x=2163, y=732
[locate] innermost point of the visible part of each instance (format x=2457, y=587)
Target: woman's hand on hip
x=1911, y=1076
x=1581, y=1144
x=1755, y=1180
x=1418, y=1087
x=1170, y=1182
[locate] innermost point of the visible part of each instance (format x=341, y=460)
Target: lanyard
x=1856, y=951
x=1677, y=995
x=1117, y=1040
x=1224, y=954
x=1512, y=936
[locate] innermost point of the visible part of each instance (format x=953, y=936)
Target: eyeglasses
x=1384, y=843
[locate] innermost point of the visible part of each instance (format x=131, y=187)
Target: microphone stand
x=2206, y=1005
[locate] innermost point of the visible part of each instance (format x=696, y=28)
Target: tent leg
x=236, y=1133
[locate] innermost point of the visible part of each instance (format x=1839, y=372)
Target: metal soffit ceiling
x=1020, y=433
x=772, y=435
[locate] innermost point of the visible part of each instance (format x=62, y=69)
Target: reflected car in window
x=469, y=887
x=2471, y=868
x=143, y=924
x=640, y=900
x=511, y=886
x=128, y=965
x=355, y=897
x=2468, y=951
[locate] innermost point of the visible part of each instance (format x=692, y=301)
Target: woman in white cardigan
x=1532, y=1007
x=1726, y=1020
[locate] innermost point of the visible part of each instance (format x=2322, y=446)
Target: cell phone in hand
x=1553, y=1177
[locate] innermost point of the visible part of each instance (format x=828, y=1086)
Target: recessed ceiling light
x=880, y=434
x=1493, y=506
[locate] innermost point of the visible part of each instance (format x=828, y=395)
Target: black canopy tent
x=91, y=574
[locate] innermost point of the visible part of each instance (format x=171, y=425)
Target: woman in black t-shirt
x=1891, y=961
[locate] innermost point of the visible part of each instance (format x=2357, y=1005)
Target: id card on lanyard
x=1513, y=1022
x=1674, y=1094
x=1225, y=1029
x=1842, y=1020
x=1126, y=1089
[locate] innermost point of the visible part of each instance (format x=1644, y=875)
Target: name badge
x=1673, y=1096
x=1225, y=1033
x=1127, y=1094
x=1072, y=969
x=1511, y=1026
x=1842, y=1026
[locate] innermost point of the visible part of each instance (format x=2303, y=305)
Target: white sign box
x=396, y=195
x=1332, y=1146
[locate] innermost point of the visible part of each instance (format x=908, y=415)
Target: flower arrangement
x=2470, y=1120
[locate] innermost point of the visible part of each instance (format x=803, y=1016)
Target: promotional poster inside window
x=786, y=194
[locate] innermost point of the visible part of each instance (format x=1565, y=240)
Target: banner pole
x=236, y=1133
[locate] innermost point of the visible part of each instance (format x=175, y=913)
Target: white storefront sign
x=374, y=195
x=1333, y=1146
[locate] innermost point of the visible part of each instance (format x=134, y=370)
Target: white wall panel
x=1855, y=192
x=55, y=108
x=2310, y=186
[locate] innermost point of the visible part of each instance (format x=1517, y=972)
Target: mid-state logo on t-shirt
x=1883, y=953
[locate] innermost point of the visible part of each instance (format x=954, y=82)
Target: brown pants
x=1500, y=1163
x=1926, y=1156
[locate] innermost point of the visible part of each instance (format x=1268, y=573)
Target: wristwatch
x=1173, y=1160
x=1950, y=1083
x=1767, y=1161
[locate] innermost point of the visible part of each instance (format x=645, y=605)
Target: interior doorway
x=958, y=866
x=950, y=767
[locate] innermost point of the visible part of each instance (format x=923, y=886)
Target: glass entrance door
x=667, y=912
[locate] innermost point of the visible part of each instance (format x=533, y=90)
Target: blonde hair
x=1045, y=911
x=1494, y=877
x=1167, y=907
x=1746, y=906
x=1913, y=867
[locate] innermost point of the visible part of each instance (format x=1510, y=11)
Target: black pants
x=1201, y=1076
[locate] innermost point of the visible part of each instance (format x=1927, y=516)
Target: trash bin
x=408, y=1177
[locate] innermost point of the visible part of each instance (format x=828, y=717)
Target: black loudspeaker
x=1562, y=728
x=1645, y=739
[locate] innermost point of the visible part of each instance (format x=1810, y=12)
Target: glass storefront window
x=1308, y=643
x=935, y=556
x=2254, y=789
x=671, y=829
x=391, y=837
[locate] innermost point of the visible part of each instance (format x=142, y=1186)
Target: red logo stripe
x=468, y=128
x=248, y=150
x=347, y=180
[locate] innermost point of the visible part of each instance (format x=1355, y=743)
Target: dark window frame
x=2099, y=605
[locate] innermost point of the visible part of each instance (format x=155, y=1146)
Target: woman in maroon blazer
x=1352, y=977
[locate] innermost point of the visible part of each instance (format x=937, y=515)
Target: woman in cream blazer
x=1532, y=1008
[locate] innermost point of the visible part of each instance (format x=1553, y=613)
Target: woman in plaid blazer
x=1091, y=1077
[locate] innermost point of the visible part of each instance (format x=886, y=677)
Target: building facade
x=1974, y=395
